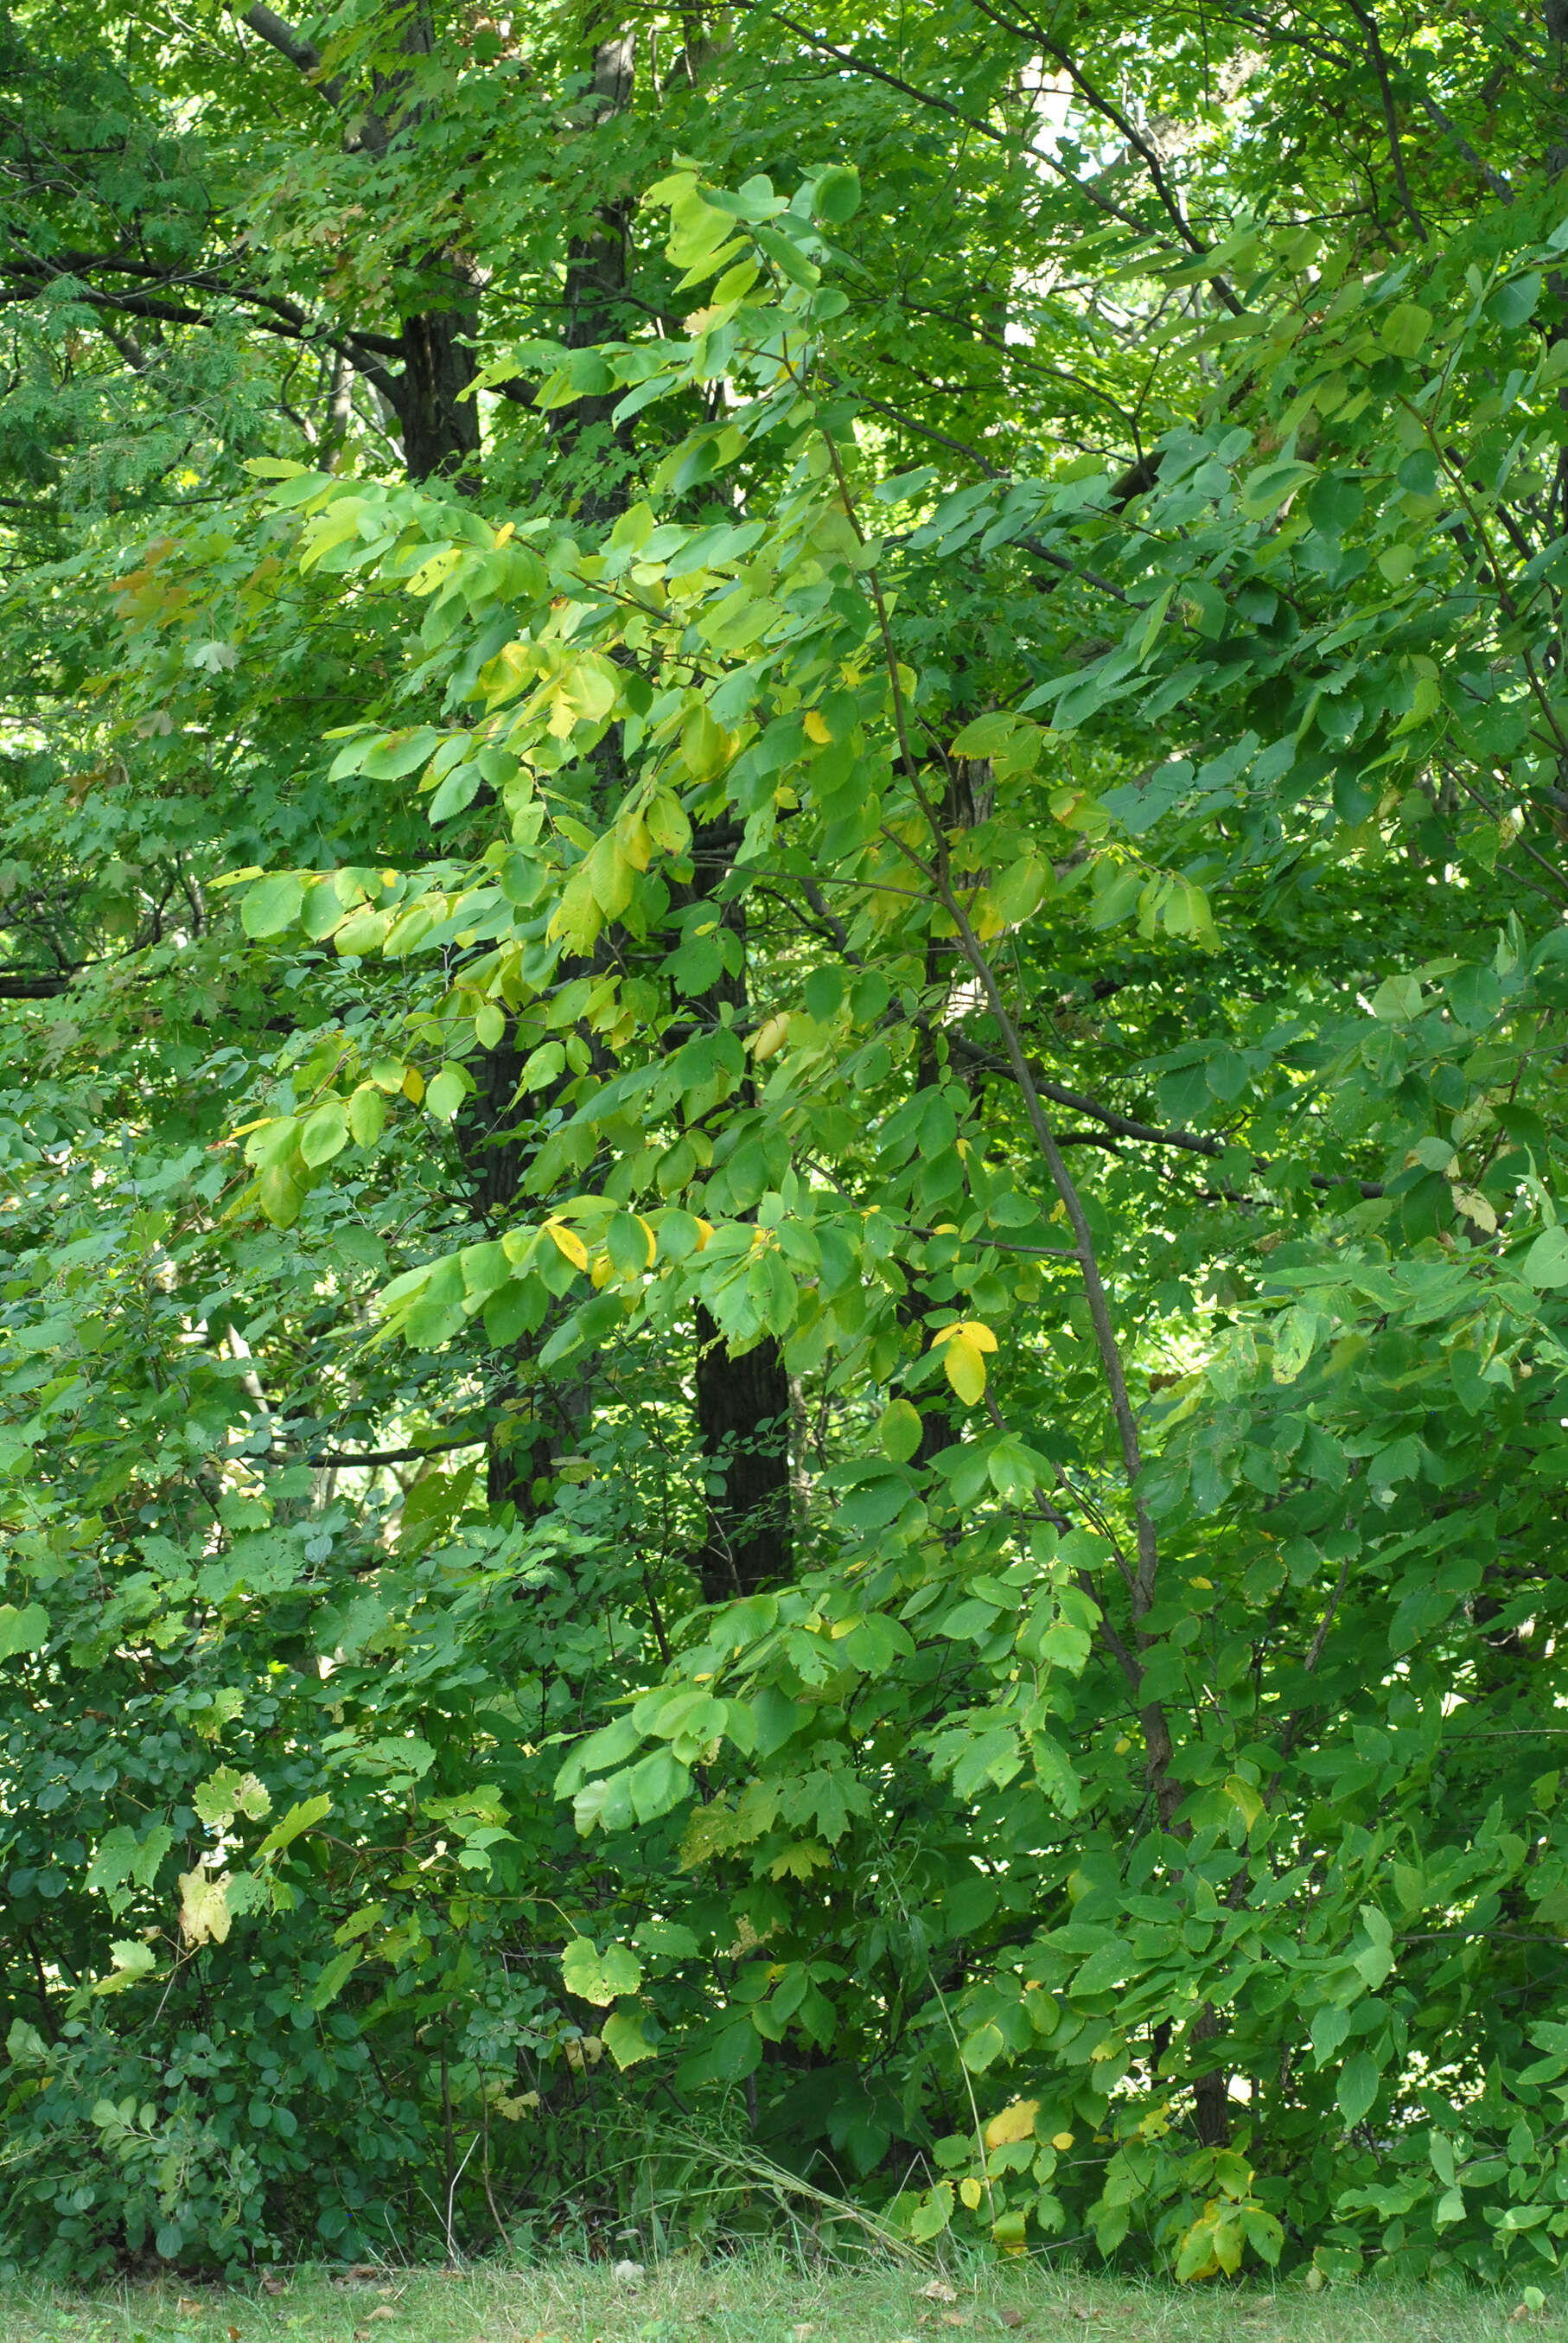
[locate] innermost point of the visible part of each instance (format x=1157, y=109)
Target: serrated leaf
x=22, y=1630
x=204, y=1909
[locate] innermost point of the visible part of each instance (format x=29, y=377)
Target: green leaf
x=901, y=1430
x=1545, y=1265
x=1405, y=329
x=367, y=1114
x=302, y=1816
x=447, y=1092
x=837, y=195
x=334, y=1977
x=23, y=1630
x=324, y=1133
x=599, y=1976
x=1358, y=2086
x=272, y=904
x=787, y=256
x=623, y=2036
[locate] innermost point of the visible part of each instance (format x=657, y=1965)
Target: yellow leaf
x=964, y=1347
x=970, y=2191
x=704, y=1230
x=567, y=1241
x=203, y=1907
x=771, y=1037
x=653, y=1240
x=1061, y=2141
x=971, y=1330
x=414, y=1085
x=1014, y=2124
x=965, y=1371
x=818, y=731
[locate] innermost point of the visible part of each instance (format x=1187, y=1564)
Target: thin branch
x=1367, y=22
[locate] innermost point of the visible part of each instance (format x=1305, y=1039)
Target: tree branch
x=1195, y=1143
x=301, y=53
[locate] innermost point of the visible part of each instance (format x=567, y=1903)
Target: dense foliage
x=784, y=1298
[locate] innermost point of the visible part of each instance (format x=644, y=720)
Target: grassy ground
x=755, y=2301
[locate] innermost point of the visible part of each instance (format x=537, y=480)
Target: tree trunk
x=742, y=1404
x=743, y=1416
x=1210, y=2093
x=440, y=428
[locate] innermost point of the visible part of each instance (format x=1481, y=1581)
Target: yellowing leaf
x=624, y=2039
x=568, y=1242
x=414, y=1085
x=816, y=730
x=800, y=1861
x=1242, y=1794
x=963, y=1348
x=970, y=2191
x=204, y=1909
x=666, y=822
x=1475, y=1207
x=1014, y=2124
x=1061, y=2141
x=771, y=1037
x=705, y=747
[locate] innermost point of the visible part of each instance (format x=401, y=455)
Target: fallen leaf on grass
x=386, y=2311
x=233, y=2335
x=955, y=2318
x=1010, y=2317
x=938, y=2290
x=270, y=2285
x=802, y=2333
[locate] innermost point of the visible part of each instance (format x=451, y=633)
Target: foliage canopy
x=785, y=1295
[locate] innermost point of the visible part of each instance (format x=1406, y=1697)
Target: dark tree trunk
x=742, y=1404
x=743, y=1416
x=1210, y=2093
x=595, y=287
x=440, y=428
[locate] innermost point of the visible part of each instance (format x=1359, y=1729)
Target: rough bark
x=742, y=1404
x=743, y=1414
x=596, y=284
x=440, y=426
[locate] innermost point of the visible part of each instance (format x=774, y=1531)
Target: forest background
x=784, y=1291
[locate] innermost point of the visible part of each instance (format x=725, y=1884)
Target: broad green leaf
x=599, y=1976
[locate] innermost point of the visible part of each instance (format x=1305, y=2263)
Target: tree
x=939, y=837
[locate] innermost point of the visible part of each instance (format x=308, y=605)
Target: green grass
x=752, y=2301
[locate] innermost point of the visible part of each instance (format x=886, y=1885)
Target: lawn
x=755, y=2301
